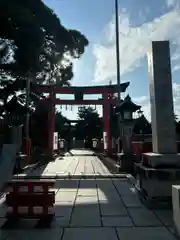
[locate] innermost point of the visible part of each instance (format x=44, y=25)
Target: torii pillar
x=106, y=118
x=51, y=122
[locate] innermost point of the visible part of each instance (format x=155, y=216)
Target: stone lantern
x=67, y=128
x=95, y=143
x=125, y=111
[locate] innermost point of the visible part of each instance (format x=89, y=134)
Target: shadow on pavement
x=91, y=204
x=86, y=203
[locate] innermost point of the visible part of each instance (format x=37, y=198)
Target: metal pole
x=117, y=48
x=118, y=66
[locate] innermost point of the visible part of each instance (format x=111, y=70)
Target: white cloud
x=144, y=102
x=176, y=94
x=176, y=68
x=172, y=3
x=175, y=57
x=141, y=99
x=134, y=43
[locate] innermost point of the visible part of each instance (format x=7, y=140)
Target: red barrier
x=30, y=199
x=146, y=147
x=137, y=150
x=143, y=147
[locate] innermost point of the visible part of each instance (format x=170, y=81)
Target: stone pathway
x=99, y=207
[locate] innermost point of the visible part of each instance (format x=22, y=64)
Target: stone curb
x=111, y=164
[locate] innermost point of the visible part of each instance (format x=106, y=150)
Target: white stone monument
x=162, y=110
x=160, y=169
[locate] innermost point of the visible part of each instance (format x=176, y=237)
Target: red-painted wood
x=143, y=147
x=106, y=101
x=30, y=215
x=51, y=122
x=73, y=90
x=106, y=111
x=83, y=102
x=30, y=199
x=16, y=183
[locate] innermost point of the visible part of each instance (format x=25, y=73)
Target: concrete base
x=156, y=183
x=126, y=162
x=176, y=207
x=157, y=159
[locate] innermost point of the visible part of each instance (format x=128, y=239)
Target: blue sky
x=141, y=21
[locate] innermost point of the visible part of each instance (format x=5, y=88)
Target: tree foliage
x=142, y=126
x=39, y=125
x=90, y=125
x=34, y=44
x=62, y=126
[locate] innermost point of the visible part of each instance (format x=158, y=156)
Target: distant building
x=142, y=126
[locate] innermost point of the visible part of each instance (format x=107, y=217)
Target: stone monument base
x=126, y=162
x=156, y=183
x=157, y=159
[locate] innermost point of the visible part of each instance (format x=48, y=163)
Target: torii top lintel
x=85, y=90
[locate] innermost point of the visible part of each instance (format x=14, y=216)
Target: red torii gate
x=106, y=101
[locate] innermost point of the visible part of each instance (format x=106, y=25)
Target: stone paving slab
x=89, y=167
x=87, y=192
x=106, y=184
x=89, y=234
x=53, y=234
x=102, y=197
x=63, y=209
x=4, y=235
x=86, y=213
x=111, y=199
x=87, y=184
x=132, y=201
x=63, y=196
x=95, y=208
x=144, y=233
x=143, y=217
x=85, y=220
x=172, y=230
x=67, y=185
x=166, y=216
x=118, y=221
x=124, y=187
x=115, y=209
x=61, y=222
x=86, y=200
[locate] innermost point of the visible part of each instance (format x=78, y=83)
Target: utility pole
x=117, y=48
x=118, y=68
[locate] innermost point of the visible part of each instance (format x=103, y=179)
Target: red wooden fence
x=143, y=147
